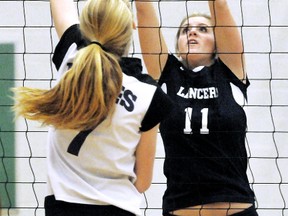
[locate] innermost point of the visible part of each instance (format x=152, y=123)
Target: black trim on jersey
x=158, y=112
x=133, y=67
x=129, y=67
x=70, y=36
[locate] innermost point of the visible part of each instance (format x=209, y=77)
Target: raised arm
x=153, y=45
x=228, y=39
x=64, y=15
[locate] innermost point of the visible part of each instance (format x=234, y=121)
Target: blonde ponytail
x=87, y=93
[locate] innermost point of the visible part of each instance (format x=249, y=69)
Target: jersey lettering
x=127, y=99
x=198, y=93
x=188, y=121
x=77, y=142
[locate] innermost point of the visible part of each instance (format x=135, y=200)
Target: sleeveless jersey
x=97, y=167
x=204, y=137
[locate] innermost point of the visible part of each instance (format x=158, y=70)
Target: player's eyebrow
x=199, y=24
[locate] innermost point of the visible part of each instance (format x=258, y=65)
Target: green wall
x=7, y=128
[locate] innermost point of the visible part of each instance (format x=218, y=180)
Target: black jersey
x=204, y=137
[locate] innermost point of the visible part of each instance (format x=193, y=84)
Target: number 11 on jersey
x=188, y=121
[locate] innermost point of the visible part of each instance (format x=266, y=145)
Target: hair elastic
x=99, y=44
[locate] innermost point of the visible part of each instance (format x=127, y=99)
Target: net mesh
x=27, y=42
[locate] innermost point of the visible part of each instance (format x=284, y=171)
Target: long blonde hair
x=87, y=93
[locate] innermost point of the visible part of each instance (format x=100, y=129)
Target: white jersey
x=97, y=167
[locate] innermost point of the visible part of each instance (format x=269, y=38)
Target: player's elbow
x=142, y=185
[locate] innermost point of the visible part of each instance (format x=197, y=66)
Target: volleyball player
x=103, y=113
x=204, y=138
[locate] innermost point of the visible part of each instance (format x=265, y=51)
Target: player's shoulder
x=71, y=36
x=133, y=67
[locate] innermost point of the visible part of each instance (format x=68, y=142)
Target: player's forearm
x=220, y=13
x=64, y=14
x=153, y=45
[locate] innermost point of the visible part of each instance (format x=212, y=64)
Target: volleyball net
x=27, y=43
